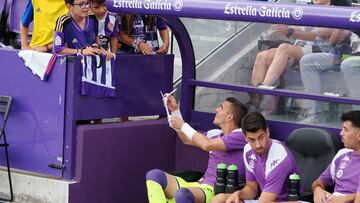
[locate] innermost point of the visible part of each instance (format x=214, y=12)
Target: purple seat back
x=16, y=11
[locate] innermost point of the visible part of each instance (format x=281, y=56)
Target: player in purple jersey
x=268, y=165
x=226, y=147
x=108, y=31
x=343, y=171
x=75, y=32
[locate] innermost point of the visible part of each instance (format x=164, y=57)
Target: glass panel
x=271, y=57
x=277, y=108
x=206, y=35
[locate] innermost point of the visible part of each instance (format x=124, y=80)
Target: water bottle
x=232, y=182
x=294, y=190
x=220, y=183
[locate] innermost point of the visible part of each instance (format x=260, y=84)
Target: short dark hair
x=253, y=122
x=69, y=1
x=353, y=117
x=238, y=109
x=99, y=2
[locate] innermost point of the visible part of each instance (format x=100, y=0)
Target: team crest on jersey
x=252, y=164
x=58, y=41
x=339, y=173
x=252, y=161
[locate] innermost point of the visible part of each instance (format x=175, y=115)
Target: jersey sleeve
x=115, y=32
x=28, y=15
x=325, y=177
x=59, y=42
x=234, y=141
x=328, y=176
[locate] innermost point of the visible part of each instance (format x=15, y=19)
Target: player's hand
x=176, y=122
x=337, y=199
x=171, y=102
x=234, y=198
x=320, y=195
x=280, y=29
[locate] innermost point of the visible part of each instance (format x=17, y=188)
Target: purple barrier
x=111, y=166
x=42, y=122
x=35, y=127
x=251, y=11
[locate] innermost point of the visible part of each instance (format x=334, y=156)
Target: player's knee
x=184, y=195
x=158, y=176
x=262, y=56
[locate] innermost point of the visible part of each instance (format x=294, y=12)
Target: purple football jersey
x=234, y=142
x=272, y=170
x=69, y=34
x=107, y=28
x=343, y=171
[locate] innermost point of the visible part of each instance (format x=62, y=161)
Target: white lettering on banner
x=157, y=4
x=237, y=10
x=148, y=4
x=263, y=11
x=274, y=12
x=127, y=4
x=355, y=17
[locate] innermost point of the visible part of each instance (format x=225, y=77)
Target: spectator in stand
x=270, y=64
x=108, y=31
x=314, y=64
x=44, y=15
x=138, y=34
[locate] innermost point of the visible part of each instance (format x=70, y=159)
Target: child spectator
x=75, y=32
x=108, y=31
x=139, y=34
x=44, y=22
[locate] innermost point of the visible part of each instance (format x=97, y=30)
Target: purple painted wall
x=42, y=122
x=35, y=127
x=112, y=160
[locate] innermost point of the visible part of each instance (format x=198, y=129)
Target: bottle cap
x=221, y=166
x=294, y=176
x=232, y=167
